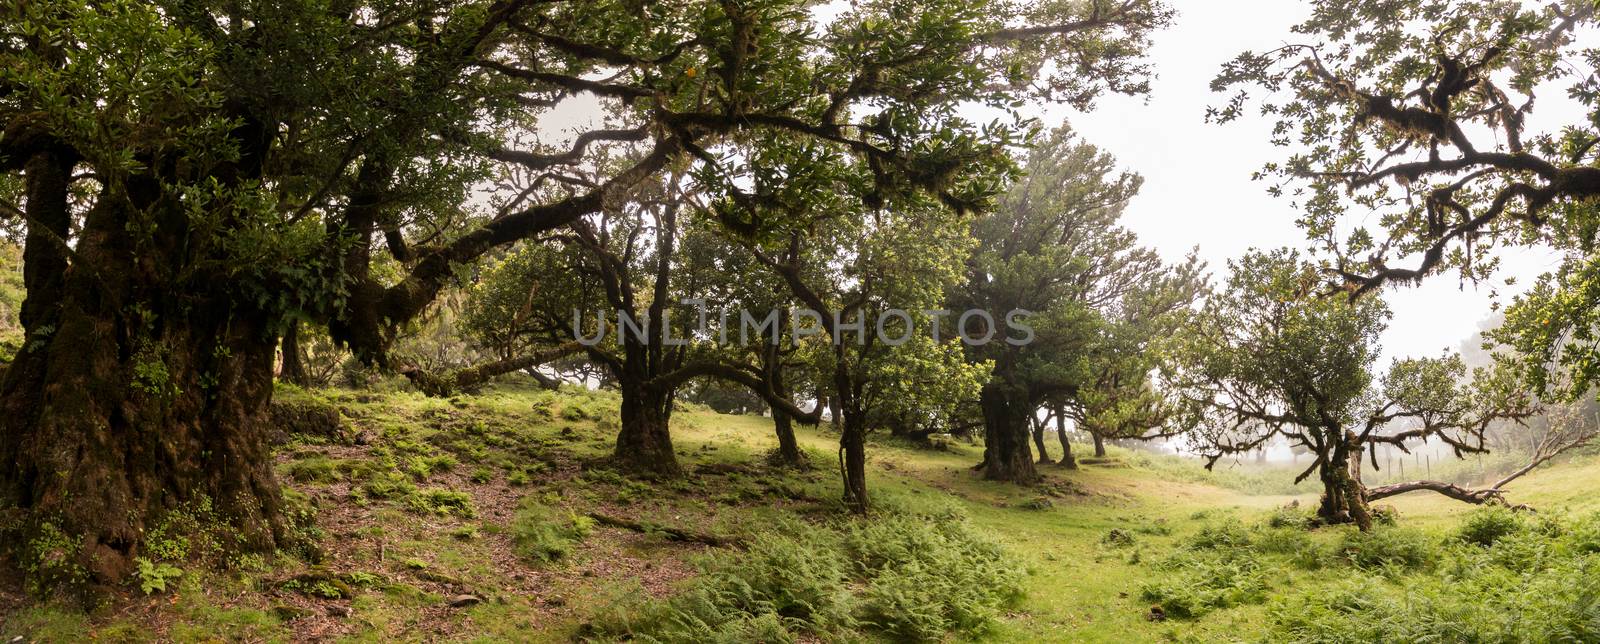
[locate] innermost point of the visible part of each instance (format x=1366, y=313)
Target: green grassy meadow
x=421, y=502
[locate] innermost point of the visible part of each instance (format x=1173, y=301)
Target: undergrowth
x=1499, y=577
x=904, y=575
x=544, y=535
x=1229, y=564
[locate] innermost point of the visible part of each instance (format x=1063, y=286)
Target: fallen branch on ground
x=1451, y=490
x=1553, y=445
x=671, y=533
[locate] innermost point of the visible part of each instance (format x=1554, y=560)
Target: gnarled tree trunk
x=132, y=397
x=1038, y=437
x=789, y=453
x=1343, y=499
x=1067, y=459
x=644, y=444
x=788, y=448
x=293, y=370
x=1005, y=424
x=1099, y=445
x=852, y=436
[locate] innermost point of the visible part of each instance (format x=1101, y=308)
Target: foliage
x=232, y=169
x=912, y=578
x=1290, y=540
x=48, y=560
x=1118, y=538
x=11, y=295
x=1387, y=548
x=1219, y=536
x=441, y=502
x=1411, y=134
x=317, y=469
x=153, y=577
x=1489, y=524
x=1267, y=344
x=930, y=576
x=1055, y=247
x=520, y=299
x=1290, y=517
x=1512, y=590
x=542, y=534
x=1268, y=359
x=1196, y=582
x=921, y=385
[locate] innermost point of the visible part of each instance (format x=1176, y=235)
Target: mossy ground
x=428, y=501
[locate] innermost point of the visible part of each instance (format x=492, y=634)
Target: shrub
x=442, y=502
x=574, y=411
x=544, y=535
x=1196, y=583
x=1117, y=538
x=790, y=580
x=1522, y=552
x=1282, y=541
x=422, y=467
x=1288, y=517
x=1527, y=586
x=387, y=485
x=153, y=577
x=601, y=475
x=931, y=577
x=903, y=576
x=518, y=478
x=1488, y=524
x=1583, y=535
x=1219, y=536
x=1387, y=548
x=317, y=469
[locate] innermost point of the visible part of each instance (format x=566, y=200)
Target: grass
x=487, y=495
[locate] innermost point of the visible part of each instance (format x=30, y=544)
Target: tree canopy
x=1420, y=117
x=1265, y=359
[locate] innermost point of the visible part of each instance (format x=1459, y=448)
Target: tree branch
x=468, y=379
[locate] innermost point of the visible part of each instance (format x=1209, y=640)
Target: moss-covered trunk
x=1067, y=459
x=293, y=368
x=788, y=453
x=1038, y=440
x=853, y=449
x=644, y=445
x=133, y=396
x=1006, y=434
x=788, y=446
x=852, y=435
x=1343, y=498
